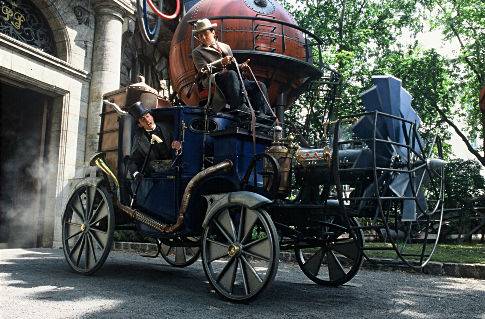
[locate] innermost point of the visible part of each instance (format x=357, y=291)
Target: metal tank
x=284, y=56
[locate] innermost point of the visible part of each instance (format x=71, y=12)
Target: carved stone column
x=106, y=63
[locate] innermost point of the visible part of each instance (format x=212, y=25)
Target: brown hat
x=202, y=25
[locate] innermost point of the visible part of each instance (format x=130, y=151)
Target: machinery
x=237, y=194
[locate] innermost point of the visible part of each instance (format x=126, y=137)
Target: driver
x=160, y=155
x=228, y=84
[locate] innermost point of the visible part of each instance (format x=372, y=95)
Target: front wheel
x=240, y=252
x=88, y=224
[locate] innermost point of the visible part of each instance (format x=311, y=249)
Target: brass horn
x=99, y=160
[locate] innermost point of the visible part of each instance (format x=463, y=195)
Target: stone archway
x=58, y=27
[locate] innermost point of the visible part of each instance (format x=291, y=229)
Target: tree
x=355, y=33
x=362, y=38
x=464, y=20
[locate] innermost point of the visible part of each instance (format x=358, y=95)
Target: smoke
x=24, y=221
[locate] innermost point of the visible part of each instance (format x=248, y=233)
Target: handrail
x=310, y=39
x=294, y=26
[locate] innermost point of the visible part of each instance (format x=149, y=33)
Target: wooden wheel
x=179, y=256
x=240, y=252
x=334, y=256
x=87, y=228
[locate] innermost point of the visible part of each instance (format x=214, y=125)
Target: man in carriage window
x=215, y=59
x=159, y=158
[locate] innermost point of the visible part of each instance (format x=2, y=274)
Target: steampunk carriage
x=237, y=192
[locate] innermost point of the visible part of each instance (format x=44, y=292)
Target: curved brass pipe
x=98, y=160
x=225, y=165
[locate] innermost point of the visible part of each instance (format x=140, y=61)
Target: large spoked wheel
x=179, y=256
x=88, y=224
x=240, y=252
x=334, y=254
x=415, y=239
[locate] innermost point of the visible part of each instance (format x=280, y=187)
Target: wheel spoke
x=77, y=211
x=228, y=275
x=348, y=248
x=101, y=212
x=312, y=265
x=335, y=269
x=101, y=237
x=241, y=223
x=226, y=222
x=73, y=229
x=192, y=250
x=81, y=248
x=180, y=255
x=216, y=250
x=76, y=246
x=93, y=250
x=165, y=249
x=252, y=280
x=250, y=219
x=260, y=248
x=247, y=289
x=91, y=193
x=87, y=252
x=264, y=258
x=223, y=232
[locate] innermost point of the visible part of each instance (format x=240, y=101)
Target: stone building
x=57, y=59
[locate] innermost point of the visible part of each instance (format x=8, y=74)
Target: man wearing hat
x=141, y=143
x=227, y=81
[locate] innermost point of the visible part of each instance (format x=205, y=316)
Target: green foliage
x=463, y=21
x=462, y=181
x=363, y=38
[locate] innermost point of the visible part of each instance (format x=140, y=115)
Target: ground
x=37, y=283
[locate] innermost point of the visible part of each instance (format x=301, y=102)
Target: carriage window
x=197, y=125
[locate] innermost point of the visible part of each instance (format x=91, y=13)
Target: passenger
x=160, y=154
x=227, y=80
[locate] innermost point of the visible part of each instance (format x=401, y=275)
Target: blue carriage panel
x=192, y=139
x=159, y=197
x=237, y=145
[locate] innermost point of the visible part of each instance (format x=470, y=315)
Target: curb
x=476, y=271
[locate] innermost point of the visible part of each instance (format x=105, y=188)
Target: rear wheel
x=240, y=251
x=178, y=255
x=87, y=228
x=332, y=255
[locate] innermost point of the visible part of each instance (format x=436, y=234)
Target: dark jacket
x=202, y=56
x=141, y=145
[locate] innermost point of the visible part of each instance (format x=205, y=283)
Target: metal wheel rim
x=426, y=221
x=87, y=229
x=339, y=260
x=241, y=275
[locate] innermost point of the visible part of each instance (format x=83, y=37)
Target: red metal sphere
x=261, y=30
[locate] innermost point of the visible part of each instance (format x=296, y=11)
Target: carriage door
x=23, y=126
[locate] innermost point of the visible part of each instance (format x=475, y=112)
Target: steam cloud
x=23, y=217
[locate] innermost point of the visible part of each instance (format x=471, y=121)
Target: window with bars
x=22, y=20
